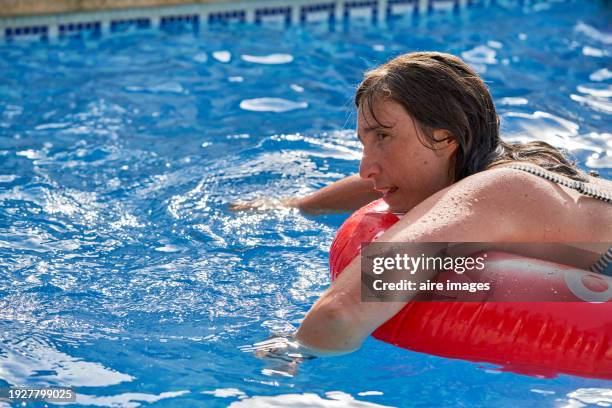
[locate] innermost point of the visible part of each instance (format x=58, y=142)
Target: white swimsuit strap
x=583, y=188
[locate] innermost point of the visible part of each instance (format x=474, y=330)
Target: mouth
x=387, y=191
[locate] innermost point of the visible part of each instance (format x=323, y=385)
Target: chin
x=396, y=204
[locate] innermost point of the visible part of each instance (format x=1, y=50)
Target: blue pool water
x=125, y=275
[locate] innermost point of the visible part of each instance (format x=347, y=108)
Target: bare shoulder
x=507, y=186
x=493, y=205
x=517, y=183
x=506, y=204
x=538, y=209
x=504, y=180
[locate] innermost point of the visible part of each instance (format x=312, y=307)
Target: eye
x=381, y=136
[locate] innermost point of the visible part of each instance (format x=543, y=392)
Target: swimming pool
x=126, y=276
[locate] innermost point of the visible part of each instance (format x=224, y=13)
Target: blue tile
x=329, y=7
x=352, y=5
x=80, y=30
x=431, y=5
x=391, y=3
x=279, y=11
x=179, y=23
x=227, y=16
x=125, y=25
x=30, y=31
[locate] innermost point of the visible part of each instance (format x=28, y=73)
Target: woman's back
x=577, y=216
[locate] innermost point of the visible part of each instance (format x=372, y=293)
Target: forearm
x=337, y=321
x=327, y=329
x=340, y=321
x=347, y=194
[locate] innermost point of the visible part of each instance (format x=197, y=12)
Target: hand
x=283, y=355
x=263, y=204
x=280, y=348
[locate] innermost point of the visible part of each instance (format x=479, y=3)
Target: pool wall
x=10, y=8
x=78, y=20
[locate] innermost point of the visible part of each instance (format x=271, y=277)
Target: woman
x=432, y=150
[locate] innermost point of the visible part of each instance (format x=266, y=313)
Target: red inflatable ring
x=572, y=335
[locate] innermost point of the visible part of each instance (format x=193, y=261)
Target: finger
x=240, y=206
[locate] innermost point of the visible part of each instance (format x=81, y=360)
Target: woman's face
x=395, y=159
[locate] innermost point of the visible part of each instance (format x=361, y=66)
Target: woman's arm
x=491, y=207
x=347, y=194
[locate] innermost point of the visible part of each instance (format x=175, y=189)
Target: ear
x=445, y=141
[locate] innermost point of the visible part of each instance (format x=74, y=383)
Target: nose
x=368, y=168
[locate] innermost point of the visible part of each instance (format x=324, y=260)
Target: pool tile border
x=191, y=16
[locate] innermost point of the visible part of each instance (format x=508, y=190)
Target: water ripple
x=34, y=361
x=272, y=59
x=271, y=105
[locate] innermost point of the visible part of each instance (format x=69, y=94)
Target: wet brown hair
x=440, y=91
